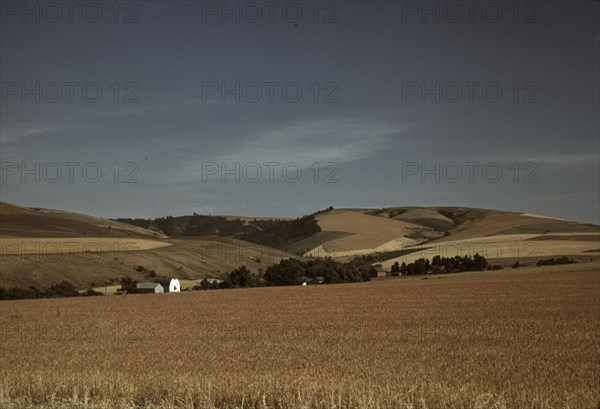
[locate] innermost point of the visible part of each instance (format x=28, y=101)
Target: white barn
x=174, y=286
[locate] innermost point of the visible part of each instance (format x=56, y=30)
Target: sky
x=282, y=108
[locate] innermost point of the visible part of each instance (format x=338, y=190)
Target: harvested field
x=425, y=217
x=507, y=247
x=364, y=234
x=475, y=340
x=39, y=261
x=490, y=223
x=22, y=246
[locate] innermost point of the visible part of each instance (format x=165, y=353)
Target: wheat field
x=463, y=341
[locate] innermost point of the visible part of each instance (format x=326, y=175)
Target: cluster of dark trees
x=128, y=285
x=555, y=261
x=148, y=272
x=296, y=272
x=62, y=289
x=283, y=233
x=239, y=278
x=273, y=233
x=440, y=264
x=194, y=225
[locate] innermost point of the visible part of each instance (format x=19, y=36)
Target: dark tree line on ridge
x=273, y=233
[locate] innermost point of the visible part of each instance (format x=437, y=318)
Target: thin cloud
x=12, y=134
x=329, y=140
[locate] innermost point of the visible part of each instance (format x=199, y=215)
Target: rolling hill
x=500, y=236
x=360, y=234
x=42, y=246
x=17, y=221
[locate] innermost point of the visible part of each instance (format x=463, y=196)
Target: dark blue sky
x=396, y=108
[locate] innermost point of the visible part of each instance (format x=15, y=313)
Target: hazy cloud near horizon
x=367, y=104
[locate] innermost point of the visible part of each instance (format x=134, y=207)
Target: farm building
x=169, y=285
x=377, y=271
x=150, y=288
